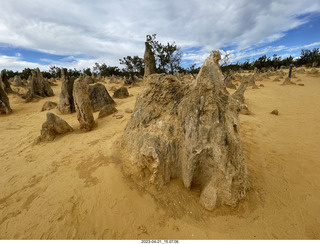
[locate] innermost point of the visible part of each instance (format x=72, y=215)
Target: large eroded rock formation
x=82, y=104
x=66, y=103
x=191, y=132
x=40, y=86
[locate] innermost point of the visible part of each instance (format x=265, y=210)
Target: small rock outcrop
x=275, y=112
x=107, y=110
x=4, y=102
x=190, y=132
x=122, y=92
x=82, y=104
x=5, y=81
x=66, y=103
x=149, y=60
x=48, y=105
x=99, y=96
x=288, y=81
x=53, y=126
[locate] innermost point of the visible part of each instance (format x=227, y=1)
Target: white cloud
x=109, y=30
x=16, y=63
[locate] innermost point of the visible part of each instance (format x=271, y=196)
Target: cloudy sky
x=78, y=33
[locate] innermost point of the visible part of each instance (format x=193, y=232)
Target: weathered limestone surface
x=88, y=79
x=228, y=78
x=4, y=80
x=287, y=81
x=229, y=84
x=40, y=87
x=149, y=61
x=122, y=92
x=107, y=110
x=99, y=96
x=191, y=132
x=53, y=126
x=82, y=104
x=251, y=81
x=48, y=105
x=66, y=103
x=4, y=102
x=17, y=81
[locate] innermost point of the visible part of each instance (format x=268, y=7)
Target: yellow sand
x=74, y=187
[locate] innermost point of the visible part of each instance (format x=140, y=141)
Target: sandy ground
x=75, y=188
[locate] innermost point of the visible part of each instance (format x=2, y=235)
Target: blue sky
x=76, y=34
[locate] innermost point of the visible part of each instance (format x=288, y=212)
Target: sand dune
x=76, y=186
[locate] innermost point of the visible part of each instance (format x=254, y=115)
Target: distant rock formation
x=113, y=79
x=17, y=81
x=149, y=60
x=314, y=71
x=4, y=102
x=66, y=103
x=82, y=104
x=99, y=97
x=301, y=71
x=276, y=79
x=191, y=132
x=252, y=81
x=122, y=92
x=53, y=126
x=288, y=81
x=4, y=80
x=40, y=87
